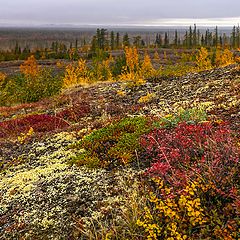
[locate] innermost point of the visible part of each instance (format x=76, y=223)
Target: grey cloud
x=114, y=11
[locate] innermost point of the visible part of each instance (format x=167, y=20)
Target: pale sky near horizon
x=120, y=12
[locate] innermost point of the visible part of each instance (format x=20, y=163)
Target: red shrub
x=191, y=151
x=39, y=123
x=75, y=112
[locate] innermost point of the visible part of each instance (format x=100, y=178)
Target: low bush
x=193, y=148
x=26, y=88
x=195, y=168
x=191, y=115
x=75, y=112
x=113, y=145
x=39, y=124
x=177, y=70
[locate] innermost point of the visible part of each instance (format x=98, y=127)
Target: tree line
x=105, y=41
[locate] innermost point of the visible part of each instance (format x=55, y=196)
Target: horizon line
x=161, y=22
x=52, y=25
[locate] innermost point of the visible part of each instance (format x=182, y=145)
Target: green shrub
x=118, y=65
x=22, y=88
x=113, y=145
x=118, y=143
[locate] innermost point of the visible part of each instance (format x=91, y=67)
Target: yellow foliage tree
x=2, y=78
x=102, y=70
x=132, y=59
x=147, y=69
x=202, y=59
x=59, y=64
x=237, y=57
x=76, y=74
x=131, y=71
x=134, y=70
x=165, y=56
x=30, y=67
x=106, y=71
x=156, y=56
x=224, y=58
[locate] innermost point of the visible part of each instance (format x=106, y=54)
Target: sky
x=120, y=12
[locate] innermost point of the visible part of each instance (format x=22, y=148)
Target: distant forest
x=19, y=44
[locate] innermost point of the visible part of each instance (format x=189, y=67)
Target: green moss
x=86, y=159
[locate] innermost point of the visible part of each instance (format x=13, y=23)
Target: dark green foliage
x=117, y=40
x=158, y=41
x=100, y=41
x=120, y=62
x=137, y=41
x=112, y=42
x=126, y=40
x=166, y=40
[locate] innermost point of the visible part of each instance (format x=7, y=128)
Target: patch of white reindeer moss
x=50, y=194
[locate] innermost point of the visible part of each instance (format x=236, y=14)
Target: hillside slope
x=44, y=196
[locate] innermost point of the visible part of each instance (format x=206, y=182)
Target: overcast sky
x=120, y=12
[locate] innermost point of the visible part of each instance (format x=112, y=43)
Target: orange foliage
x=202, y=59
x=147, y=67
x=2, y=76
x=30, y=67
x=156, y=56
x=132, y=58
x=76, y=74
x=224, y=58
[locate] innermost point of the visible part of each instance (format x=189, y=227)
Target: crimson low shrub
x=196, y=186
x=74, y=113
x=189, y=151
x=39, y=123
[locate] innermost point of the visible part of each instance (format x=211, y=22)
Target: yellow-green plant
x=24, y=136
x=121, y=93
x=172, y=217
x=165, y=56
x=224, y=58
x=156, y=56
x=186, y=57
x=3, y=77
x=203, y=61
x=147, y=98
x=102, y=70
x=132, y=70
x=177, y=70
x=76, y=74
x=147, y=69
